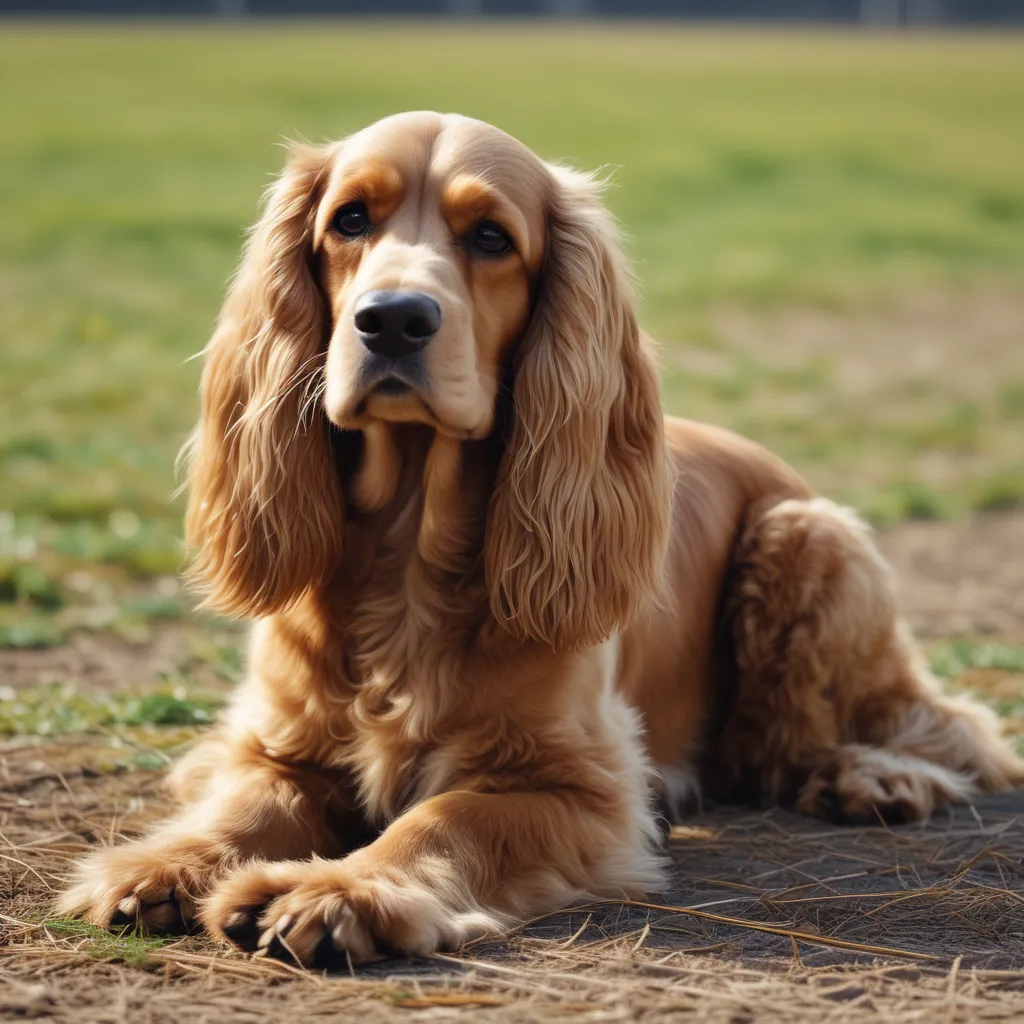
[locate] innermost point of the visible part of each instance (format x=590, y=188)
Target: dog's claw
x=272, y=941
x=326, y=953
x=127, y=913
x=240, y=927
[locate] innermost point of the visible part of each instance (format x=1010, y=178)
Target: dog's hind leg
x=834, y=709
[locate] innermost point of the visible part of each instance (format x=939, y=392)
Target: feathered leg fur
x=238, y=804
x=835, y=709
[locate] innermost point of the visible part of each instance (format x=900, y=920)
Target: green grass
x=756, y=172
x=126, y=946
x=59, y=709
x=993, y=672
x=43, y=596
x=140, y=730
x=952, y=658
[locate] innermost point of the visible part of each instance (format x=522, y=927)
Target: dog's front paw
x=321, y=913
x=150, y=885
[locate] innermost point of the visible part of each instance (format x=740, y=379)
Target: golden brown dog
x=497, y=596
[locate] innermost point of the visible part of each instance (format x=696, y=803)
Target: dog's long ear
x=265, y=510
x=578, y=523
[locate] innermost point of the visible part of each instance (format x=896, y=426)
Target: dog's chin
x=392, y=387
x=396, y=401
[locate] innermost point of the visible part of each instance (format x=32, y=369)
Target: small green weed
x=126, y=946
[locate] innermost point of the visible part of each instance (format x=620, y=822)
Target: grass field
x=829, y=232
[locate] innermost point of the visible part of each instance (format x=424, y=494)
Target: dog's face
x=428, y=239
x=406, y=274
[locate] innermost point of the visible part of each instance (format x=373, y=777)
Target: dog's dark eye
x=491, y=239
x=352, y=220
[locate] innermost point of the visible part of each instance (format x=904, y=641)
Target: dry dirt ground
x=769, y=917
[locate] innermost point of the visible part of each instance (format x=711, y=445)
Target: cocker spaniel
x=498, y=597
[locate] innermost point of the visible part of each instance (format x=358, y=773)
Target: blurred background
x=824, y=200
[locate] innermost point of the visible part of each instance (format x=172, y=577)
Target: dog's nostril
x=368, y=321
x=420, y=327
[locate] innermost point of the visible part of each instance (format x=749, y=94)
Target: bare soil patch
x=95, y=660
x=961, y=578
x=914, y=404
x=963, y=344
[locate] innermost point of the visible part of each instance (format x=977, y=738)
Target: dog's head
x=409, y=274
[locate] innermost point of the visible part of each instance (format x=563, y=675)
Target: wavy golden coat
x=497, y=596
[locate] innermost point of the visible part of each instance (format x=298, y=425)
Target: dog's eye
x=491, y=239
x=352, y=220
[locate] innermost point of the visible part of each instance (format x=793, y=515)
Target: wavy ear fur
x=578, y=523
x=265, y=511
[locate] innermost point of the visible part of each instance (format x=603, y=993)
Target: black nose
x=396, y=323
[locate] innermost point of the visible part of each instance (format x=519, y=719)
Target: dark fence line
x=871, y=12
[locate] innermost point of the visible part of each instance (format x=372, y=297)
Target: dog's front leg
x=239, y=804
x=457, y=865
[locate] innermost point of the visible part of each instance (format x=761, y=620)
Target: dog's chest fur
x=417, y=601
x=372, y=673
